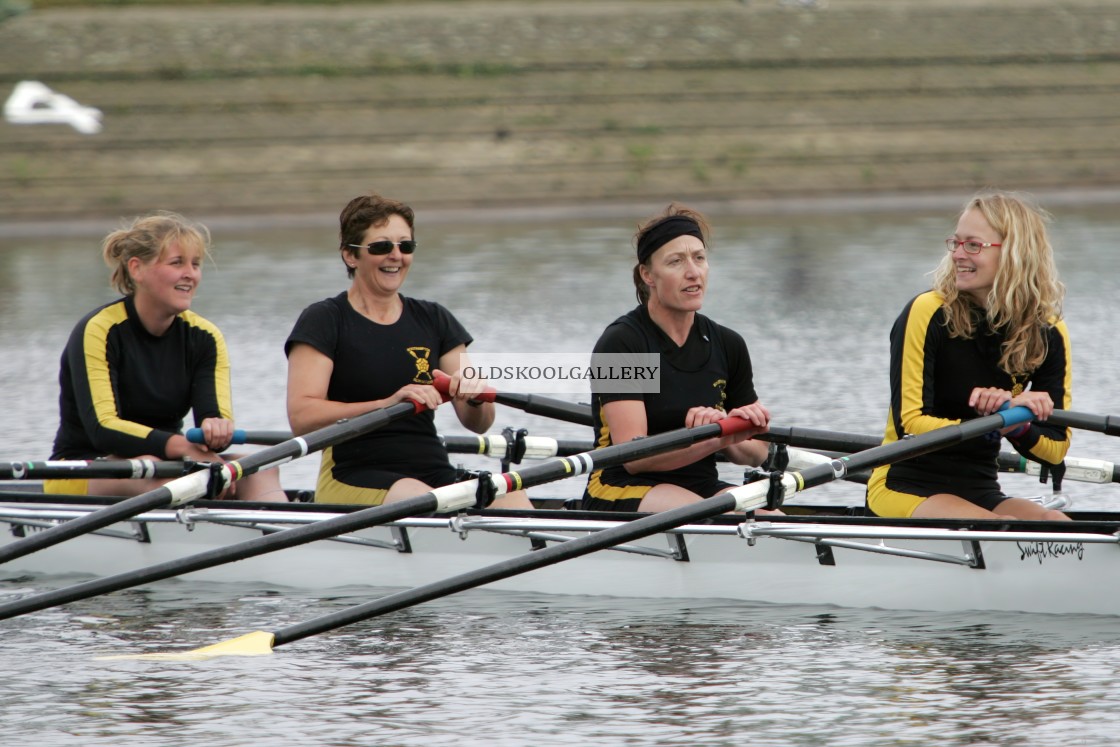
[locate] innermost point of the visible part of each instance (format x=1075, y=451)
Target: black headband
x=660, y=234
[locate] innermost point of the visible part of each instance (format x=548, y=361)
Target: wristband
x=1019, y=432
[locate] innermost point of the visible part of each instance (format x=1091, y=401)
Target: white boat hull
x=884, y=565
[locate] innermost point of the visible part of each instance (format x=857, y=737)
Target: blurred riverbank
x=522, y=109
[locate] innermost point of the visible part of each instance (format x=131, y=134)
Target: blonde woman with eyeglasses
x=989, y=333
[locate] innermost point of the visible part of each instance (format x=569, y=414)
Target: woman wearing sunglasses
x=705, y=376
x=371, y=347
x=135, y=367
x=988, y=334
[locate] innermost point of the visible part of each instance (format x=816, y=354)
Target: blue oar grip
x=194, y=435
x=1015, y=415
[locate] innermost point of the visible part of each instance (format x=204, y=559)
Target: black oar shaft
x=557, y=553
x=811, y=438
x=544, y=472
x=161, y=496
x=94, y=469
x=546, y=406
x=745, y=498
x=910, y=447
x=196, y=485
x=219, y=556
x=1107, y=424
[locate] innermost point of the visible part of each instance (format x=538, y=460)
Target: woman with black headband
x=705, y=376
x=371, y=347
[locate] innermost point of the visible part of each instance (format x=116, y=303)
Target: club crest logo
x=721, y=385
x=423, y=365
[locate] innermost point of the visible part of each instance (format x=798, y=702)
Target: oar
x=198, y=484
x=1106, y=424
x=537, y=447
x=745, y=498
x=1079, y=469
x=241, y=436
x=95, y=469
x=448, y=498
x=534, y=404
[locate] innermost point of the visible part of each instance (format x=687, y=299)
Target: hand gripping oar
x=95, y=469
x=445, y=499
x=202, y=483
x=745, y=498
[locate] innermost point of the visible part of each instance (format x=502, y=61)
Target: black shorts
x=898, y=496
x=600, y=496
x=370, y=486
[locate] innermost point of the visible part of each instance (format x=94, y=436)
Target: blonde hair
x=1026, y=297
x=146, y=238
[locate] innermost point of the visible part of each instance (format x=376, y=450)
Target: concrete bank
x=233, y=111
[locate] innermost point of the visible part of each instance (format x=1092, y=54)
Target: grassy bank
x=239, y=108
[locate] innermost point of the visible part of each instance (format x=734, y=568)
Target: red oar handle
x=442, y=383
x=728, y=426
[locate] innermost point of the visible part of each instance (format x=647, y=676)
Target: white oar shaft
x=1079, y=469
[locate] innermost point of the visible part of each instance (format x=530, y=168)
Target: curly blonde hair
x=1026, y=297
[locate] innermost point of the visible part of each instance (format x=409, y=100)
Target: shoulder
x=727, y=336
x=624, y=334
x=96, y=326
x=921, y=310
x=1059, y=332
x=328, y=308
x=421, y=306
x=435, y=315
x=926, y=303
x=200, y=323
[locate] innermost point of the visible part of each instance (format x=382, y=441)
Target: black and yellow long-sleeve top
x=932, y=376
x=125, y=391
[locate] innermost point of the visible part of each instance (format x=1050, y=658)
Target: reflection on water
x=814, y=297
x=512, y=669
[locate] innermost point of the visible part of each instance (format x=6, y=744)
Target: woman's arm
x=626, y=420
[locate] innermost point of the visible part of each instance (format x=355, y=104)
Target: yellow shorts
x=890, y=504
x=66, y=487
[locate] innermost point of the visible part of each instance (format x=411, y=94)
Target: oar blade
x=257, y=643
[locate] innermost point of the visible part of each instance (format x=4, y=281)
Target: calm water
x=814, y=297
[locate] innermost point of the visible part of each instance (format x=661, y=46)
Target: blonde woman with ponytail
x=990, y=332
x=133, y=368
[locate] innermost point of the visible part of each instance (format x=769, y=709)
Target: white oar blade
x=258, y=643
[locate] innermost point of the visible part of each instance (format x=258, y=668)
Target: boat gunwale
x=819, y=521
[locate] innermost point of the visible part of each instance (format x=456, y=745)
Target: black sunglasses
x=386, y=246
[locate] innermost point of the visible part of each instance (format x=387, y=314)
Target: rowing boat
x=816, y=555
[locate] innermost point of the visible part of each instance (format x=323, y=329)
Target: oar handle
x=443, y=386
x=194, y=435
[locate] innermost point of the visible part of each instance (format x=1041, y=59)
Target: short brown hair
x=365, y=211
